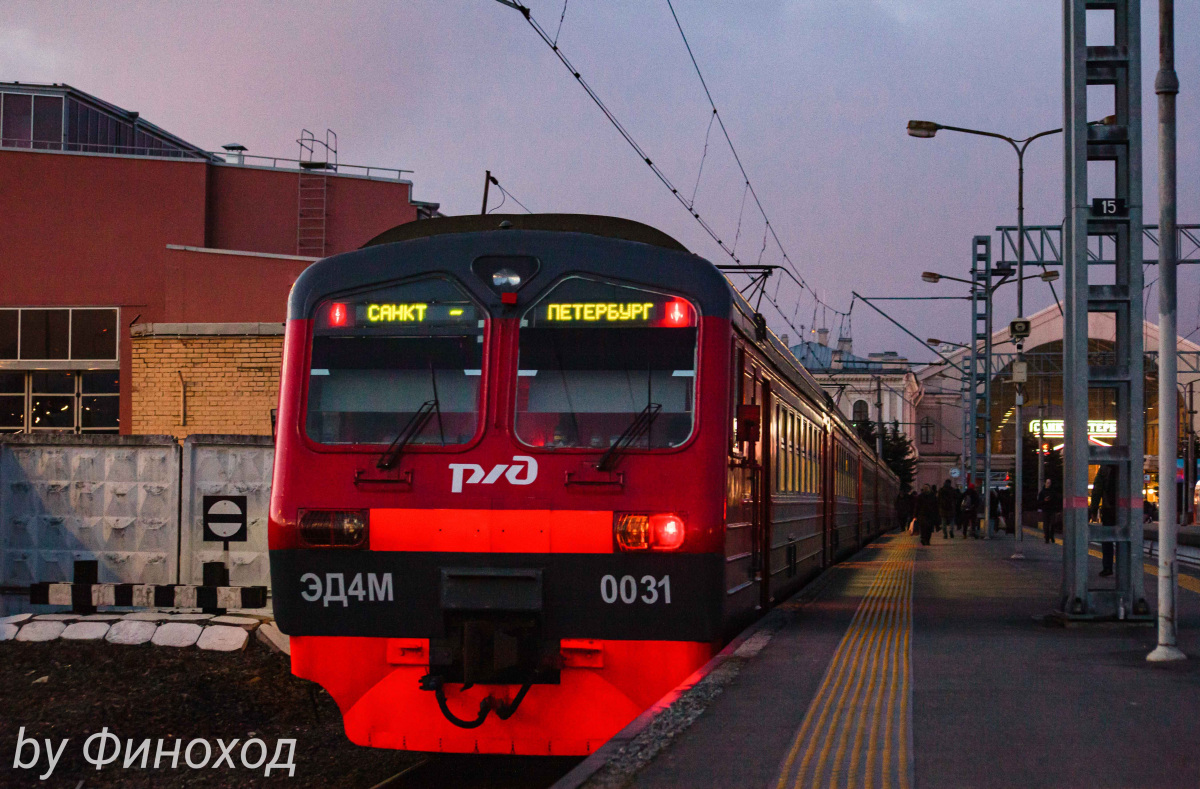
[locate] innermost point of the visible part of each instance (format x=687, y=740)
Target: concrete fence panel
x=113, y=499
x=227, y=477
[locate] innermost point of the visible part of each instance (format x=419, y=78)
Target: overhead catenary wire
x=661, y=175
x=737, y=158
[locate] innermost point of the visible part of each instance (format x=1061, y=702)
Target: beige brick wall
x=231, y=383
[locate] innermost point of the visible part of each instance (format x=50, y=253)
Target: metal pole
x=1018, y=476
x=1166, y=85
x=487, y=180
x=879, y=417
x=987, y=405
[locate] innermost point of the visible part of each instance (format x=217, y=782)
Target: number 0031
x=629, y=590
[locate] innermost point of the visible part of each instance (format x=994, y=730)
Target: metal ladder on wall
x=1120, y=376
x=317, y=159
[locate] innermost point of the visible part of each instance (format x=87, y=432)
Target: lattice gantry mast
x=1120, y=378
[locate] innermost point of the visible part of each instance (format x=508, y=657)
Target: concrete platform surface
x=932, y=667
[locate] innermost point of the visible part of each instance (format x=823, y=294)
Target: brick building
x=145, y=279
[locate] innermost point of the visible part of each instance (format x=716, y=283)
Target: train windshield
x=397, y=357
x=598, y=361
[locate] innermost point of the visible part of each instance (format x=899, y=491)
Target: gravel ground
x=67, y=689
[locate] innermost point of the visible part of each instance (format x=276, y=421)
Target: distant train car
x=533, y=471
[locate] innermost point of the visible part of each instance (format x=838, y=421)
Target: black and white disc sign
x=225, y=519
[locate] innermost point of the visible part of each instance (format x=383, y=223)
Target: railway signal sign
x=225, y=519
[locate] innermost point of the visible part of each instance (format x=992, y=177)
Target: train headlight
x=653, y=532
x=334, y=528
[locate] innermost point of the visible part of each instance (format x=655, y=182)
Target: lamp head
x=933, y=341
x=923, y=129
x=930, y=276
x=1048, y=276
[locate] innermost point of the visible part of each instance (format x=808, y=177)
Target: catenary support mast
x=1121, y=376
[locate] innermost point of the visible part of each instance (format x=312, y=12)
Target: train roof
x=591, y=224
x=563, y=244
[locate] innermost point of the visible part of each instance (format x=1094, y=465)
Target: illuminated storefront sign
x=396, y=313
x=603, y=311
x=1053, y=428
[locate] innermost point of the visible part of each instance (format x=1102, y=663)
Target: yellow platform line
x=866, y=686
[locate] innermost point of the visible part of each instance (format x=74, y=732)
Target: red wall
x=252, y=289
x=254, y=209
x=93, y=230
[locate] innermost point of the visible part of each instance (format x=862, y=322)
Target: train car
x=532, y=471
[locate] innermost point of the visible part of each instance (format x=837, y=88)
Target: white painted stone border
x=226, y=633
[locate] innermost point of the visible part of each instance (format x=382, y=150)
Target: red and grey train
x=532, y=471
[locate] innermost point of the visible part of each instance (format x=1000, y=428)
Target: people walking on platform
x=1049, y=501
x=969, y=507
x=1000, y=514
x=927, y=512
x=947, y=506
x=904, y=509
x=993, y=512
x=1103, y=509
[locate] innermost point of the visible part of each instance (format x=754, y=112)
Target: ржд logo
x=521, y=463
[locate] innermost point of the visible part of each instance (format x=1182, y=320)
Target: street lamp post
x=927, y=129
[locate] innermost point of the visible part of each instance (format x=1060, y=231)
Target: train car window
x=595, y=355
x=781, y=460
x=380, y=357
x=791, y=439
x=806, y=457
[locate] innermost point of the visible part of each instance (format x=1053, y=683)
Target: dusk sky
x=815, y=94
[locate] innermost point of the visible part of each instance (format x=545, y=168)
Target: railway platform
x=933, y=667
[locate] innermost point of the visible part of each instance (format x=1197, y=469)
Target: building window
x=927, y=430
x=48, y=122
x=60, y=334
x=17, y=124
x=861, y=413
x=45, y=380
x=61, y=401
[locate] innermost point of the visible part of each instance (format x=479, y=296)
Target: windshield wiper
x=411, y=429
x=637, y=428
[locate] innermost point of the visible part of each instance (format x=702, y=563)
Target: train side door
x=762, y=488
x=753, y=413
x=744, y=517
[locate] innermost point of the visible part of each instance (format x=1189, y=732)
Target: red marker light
x=678, y=313
x=337, y=314
x=666, y=532
x=638, y=532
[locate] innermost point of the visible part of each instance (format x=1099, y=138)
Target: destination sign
x=602, y=311
x=340, y=315
x=396, y=313
x=673, y=313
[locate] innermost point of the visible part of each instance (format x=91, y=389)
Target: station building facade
x=145, y=279
x=940, y=410
x=877, y=387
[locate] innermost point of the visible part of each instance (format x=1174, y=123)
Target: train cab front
x=492, y=528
